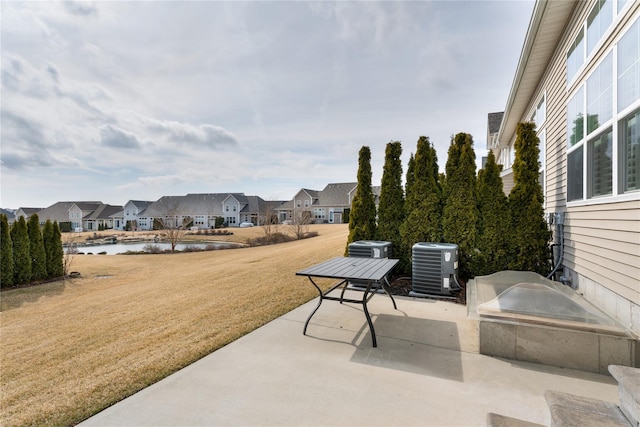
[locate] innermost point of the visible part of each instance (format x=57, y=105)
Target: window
x=629, y=135
x=600, y=165
x=603, y=154
x=600, y=95
x=306, y=203
x=575, y=57
x=234, y=208
x=540, y=114
x=575, y=118
x=621, y=4
x=575, y=172
x=298, y=203
x=319, y=213
x=598, y=22
x=629, y=67
x=226, y=208
x=541, y=158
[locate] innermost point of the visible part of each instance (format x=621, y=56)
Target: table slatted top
x=352, y=268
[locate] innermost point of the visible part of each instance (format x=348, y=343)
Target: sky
x=130, y=100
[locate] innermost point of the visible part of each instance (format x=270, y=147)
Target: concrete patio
x=425, y=371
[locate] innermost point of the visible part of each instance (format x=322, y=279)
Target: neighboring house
x=78, y=211
x=24, y=212
x=239, y=208
x=133, y=213
x=100, y=218
x=61, y=212
x=578, y=79
x=203, y=209
x=325, y=206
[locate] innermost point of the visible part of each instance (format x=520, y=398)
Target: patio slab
x=425, y=371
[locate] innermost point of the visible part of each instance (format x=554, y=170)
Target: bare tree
x=70, y=252
x=172, y=221
x=268, y=219
x=300, y=223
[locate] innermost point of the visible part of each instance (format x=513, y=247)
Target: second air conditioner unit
x=434, y=268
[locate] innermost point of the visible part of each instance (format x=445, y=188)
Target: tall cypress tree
x=53, y=249
x=57, y=253
x=408, y=186
x=424, y=215
x=36, y=249
x=362, y=219
x=531, y=234
x=494, y=237
x=6, y=254
x=391, y=205
x=21, y=255
x=460, y=213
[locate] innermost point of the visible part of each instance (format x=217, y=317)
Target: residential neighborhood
x=329, y=205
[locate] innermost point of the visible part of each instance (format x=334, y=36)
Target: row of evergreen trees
x=494, y=232
x=29, y=253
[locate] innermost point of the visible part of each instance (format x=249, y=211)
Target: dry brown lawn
x=69, y=349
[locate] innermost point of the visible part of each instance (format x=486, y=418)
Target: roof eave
x=548, y=21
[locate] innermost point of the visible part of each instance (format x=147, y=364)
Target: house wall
x=75, y=216
x=602, y=236
x=231, y=211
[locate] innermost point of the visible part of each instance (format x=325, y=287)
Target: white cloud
x=152, y=98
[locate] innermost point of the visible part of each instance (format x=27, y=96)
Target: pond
x=119, y=248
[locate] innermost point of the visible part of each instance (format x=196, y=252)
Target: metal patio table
x=369, y=271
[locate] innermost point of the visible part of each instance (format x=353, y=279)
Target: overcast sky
x=114, y=101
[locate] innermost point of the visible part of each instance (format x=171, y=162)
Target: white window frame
x=617, y=195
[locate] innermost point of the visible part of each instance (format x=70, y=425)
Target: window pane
x=599, y=20
x=621, y=4
x=575, y=170
x=575, y=118
x=600, y=165
x=629, y=67
x=541, y=113
x=600, y=95
x=575, y=57
x=630, y=151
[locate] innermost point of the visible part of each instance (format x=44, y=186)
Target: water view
x=152, y=247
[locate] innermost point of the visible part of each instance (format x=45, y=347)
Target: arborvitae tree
x=391, y=205
x=21, y=255
x=58, y=253
x=36, y=249
x=424, y=217
x=408, y=186
x=531, y=234
x=53, y=249
x=6, y=254
x=460, y=213
x=362, y=219
x=494, y=235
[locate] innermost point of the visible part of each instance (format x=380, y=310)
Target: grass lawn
x=71, y=348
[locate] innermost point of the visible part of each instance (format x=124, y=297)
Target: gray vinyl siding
x=602, y=240
x=603, y=244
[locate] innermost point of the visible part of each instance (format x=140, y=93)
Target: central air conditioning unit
x=368, y=249
x=434, y=268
